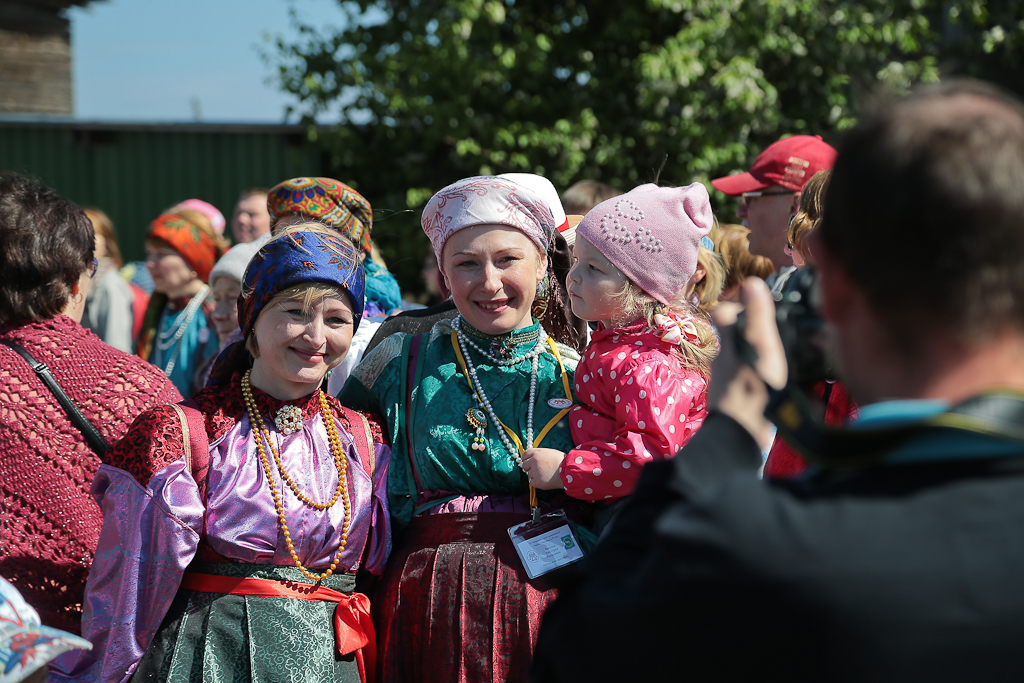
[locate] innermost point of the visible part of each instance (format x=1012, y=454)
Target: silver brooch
x=288, y=420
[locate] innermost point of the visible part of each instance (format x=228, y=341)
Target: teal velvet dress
x=455, y=602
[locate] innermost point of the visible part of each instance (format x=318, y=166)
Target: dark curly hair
x=46, y=242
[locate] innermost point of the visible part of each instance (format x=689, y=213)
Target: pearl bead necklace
x=481, y=396
x=260, y=429
x=538, y=347
x=184, y=320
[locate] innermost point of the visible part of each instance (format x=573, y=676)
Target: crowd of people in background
x=260, y=461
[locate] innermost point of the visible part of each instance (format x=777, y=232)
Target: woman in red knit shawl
x=49, y=523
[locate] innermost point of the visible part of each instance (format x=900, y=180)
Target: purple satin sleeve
x=379, y=546
x=149, y=536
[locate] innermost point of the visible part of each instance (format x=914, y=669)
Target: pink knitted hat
x=483, y=200
x=652, y=234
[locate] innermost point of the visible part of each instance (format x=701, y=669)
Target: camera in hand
x=803, y=330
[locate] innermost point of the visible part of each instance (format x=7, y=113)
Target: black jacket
x=891, y=573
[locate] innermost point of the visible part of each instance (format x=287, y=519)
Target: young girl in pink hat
x=641, y=386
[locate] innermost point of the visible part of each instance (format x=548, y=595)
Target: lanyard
x=511, y=434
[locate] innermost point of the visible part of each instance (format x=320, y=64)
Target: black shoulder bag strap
x=92, y=435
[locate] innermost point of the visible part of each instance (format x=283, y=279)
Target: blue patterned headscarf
x=297, y=258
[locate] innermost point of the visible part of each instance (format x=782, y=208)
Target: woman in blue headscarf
x=339, y=207
x=234, y=523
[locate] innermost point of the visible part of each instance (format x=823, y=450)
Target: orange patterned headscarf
x=195, y=246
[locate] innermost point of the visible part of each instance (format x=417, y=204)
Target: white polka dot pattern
x=639, y=406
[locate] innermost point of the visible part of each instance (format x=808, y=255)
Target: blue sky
x=145, y=60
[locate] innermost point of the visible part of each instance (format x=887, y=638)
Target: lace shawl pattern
x=49, y=523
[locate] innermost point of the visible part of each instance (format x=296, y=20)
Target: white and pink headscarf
x=487, y=200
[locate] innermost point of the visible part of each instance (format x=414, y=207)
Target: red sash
x=353, y=629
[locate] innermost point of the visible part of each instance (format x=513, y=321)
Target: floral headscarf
x=195, y=246
x=294, y=259
x=327, y=200
x=486, y=200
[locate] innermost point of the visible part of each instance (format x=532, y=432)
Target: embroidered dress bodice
x=443, y=465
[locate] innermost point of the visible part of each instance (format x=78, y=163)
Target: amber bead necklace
x=259, y=428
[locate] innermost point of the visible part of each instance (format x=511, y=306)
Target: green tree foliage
x=430, y=91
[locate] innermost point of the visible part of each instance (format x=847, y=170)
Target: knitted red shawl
x=49, y=523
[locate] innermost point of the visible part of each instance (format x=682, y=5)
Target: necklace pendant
x=288, y=420
x=500, y=349
x=477, y=419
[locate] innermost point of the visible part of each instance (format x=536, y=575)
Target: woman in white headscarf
x=460, y=403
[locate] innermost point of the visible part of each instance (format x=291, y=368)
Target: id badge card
x=545, y=545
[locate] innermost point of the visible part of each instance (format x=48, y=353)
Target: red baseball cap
x=788, y=163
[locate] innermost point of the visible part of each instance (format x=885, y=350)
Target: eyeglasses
x=747, y=196
x=92, y=268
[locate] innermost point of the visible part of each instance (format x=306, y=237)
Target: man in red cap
x=770, y=192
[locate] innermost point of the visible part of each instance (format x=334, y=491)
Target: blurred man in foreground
x=900, y=559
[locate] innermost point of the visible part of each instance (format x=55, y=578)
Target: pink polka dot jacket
x=635, y=404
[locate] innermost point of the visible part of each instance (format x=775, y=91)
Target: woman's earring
x=542, y=288
x=540, y=300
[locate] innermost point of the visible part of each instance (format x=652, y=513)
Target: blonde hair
x=812, y=205
x=103, y=226
x=636, y=304
x=711, y=285
x=732, y=243
x=306, y=292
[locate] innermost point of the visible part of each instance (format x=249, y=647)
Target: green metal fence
x=135, y=171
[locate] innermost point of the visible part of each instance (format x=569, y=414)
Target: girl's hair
x=102, y=224
x=732, y=243
x=711, y=286
x=812, y=205
x=636, y=304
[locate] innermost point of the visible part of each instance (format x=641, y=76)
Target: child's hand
x=541, y=466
